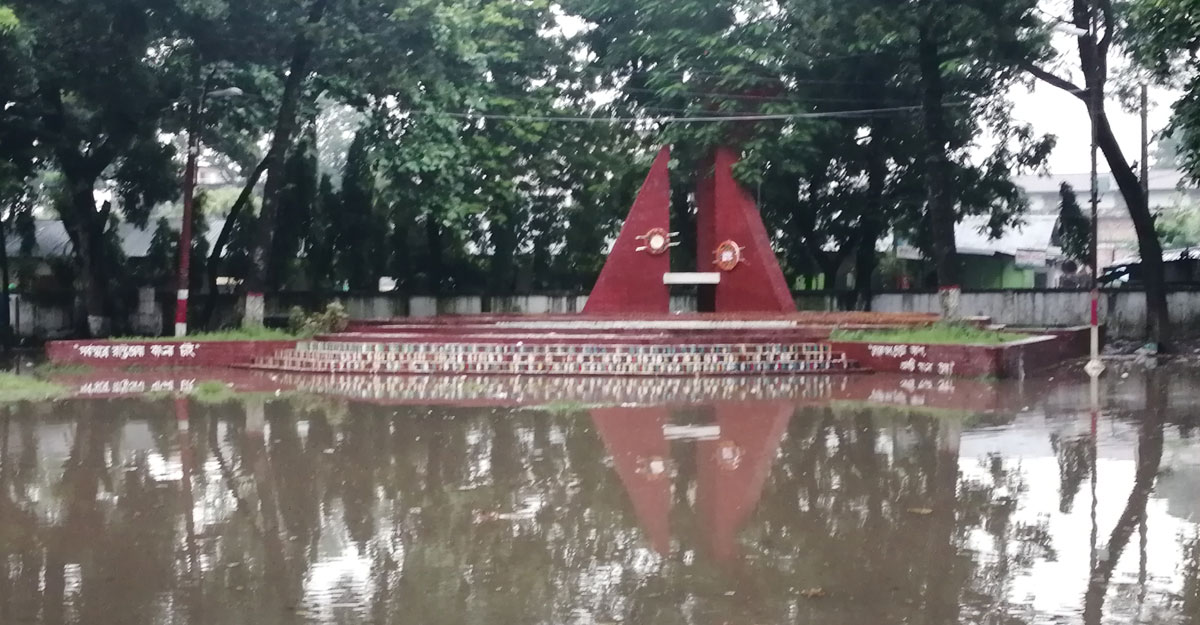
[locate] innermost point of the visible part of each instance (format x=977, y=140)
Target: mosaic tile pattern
x=550, y=390
x=557, y=359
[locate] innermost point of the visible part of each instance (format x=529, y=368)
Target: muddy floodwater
x=865, y=500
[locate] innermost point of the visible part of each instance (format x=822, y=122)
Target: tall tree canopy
x=1097, y=24
x=494, y=145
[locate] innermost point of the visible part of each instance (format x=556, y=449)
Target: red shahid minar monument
x=737, y=271
x=746, y=322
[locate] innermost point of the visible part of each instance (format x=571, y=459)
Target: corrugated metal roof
x=1160, y=180
x=1031, y=239
x=1169, y=256
x=1034, y=234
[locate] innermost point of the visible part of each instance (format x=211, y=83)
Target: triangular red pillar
x=727, y=212
x=634, y=438
x=632, y=281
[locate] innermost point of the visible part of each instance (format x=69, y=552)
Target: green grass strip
x=17, y=388
x=236, y=334
x=933, y=334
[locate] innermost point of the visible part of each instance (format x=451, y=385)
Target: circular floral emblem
x=729, y=255
x=658, y=240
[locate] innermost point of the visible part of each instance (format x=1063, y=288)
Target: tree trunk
x=285, y=127
x=1149, y=247
x=433, y=239
x=1149, y=461
x=213, y=265
x=940, y=209
x=87, y=227
x=871, y=226
x=830, y=275
x=504, y=247
x=6, y=330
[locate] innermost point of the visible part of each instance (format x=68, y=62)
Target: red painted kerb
x=151, y=353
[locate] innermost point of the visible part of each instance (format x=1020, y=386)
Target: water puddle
x=855, y=499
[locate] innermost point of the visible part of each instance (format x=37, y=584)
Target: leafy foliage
x=333, y=319
x=440, y=142
x=1073, y=231
x=1179, y=228
x=1164, y=39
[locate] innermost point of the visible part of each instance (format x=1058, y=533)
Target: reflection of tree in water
x=438, y=515
x=1074, y=454
x=74, y=561
x=411, y=495
x=1189, y=602
x=1149, y=459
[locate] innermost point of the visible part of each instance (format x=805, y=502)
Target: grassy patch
x=933, y=334
x=235, y=334
x=48, y=369
x=15, y=388
x=213, y=392
x=562, y=407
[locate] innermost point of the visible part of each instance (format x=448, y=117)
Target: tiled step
x=557, y=359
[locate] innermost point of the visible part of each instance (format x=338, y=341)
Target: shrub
x=333, y=319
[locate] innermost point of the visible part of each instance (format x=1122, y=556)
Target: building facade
x=1116, y=238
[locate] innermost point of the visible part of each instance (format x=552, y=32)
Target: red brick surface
x=757, y=283
x=1004, y=361
x=632, y=281
x=161, y=353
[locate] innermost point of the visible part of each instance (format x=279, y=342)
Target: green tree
x=1073, y=231
x=299, y=194
x=290, y=103
x=1179, y=227
x=101, y=125
x=1163, y=39
x=161, y=266
x=20, y=155
x=360, y=231
x=1098, y=23
x=321, y=244
x=903, y=92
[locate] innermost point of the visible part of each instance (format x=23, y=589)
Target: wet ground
x=911, y=504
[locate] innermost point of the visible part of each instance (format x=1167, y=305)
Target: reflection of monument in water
x=733, y=457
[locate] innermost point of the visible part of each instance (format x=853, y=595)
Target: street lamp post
x=189, y=197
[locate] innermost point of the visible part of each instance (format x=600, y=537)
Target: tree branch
x=1054, y=80
x=1106, y=10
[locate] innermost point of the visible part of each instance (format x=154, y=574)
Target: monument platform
x=603, y=345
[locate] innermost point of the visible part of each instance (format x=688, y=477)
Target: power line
x=719, y=95
x=675, y=119
x=746, y=74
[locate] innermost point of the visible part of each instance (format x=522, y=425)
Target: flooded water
x=984, y=504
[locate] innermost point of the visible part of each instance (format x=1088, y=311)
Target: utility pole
x=1094, y=366
x=185, y=229
x=189, y=196
x=1145, y=143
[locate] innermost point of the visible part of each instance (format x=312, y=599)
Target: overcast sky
x=1056, y=112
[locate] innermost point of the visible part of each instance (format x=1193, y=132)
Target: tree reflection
x=278, y=511
x=1149, y=459
x=1190, y=596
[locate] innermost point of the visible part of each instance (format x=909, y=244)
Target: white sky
x=1053, y=111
